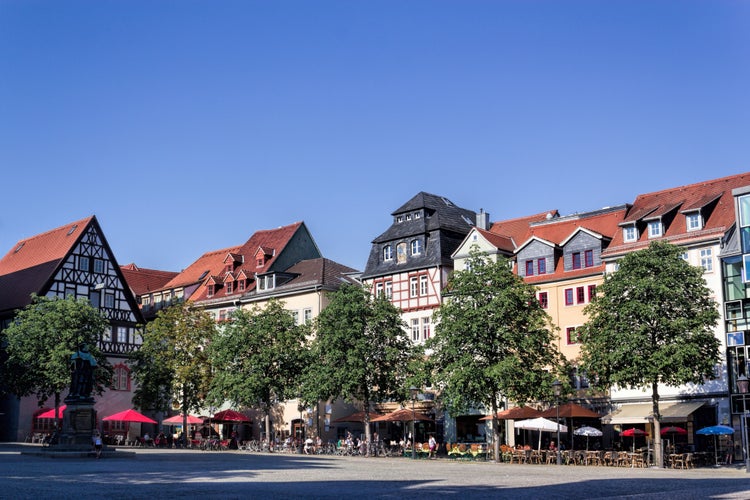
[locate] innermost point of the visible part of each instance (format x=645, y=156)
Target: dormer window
x=266, y=282
x=629, y=234
x=417, y=215
x=694, y=221
x=416, y=247
x=210, y=290
x=408, y=216
x=387, y=253
x=654, y=229
x=229, y=287
x=541, y=265
x=399, y=219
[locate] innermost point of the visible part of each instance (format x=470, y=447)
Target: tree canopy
x=651, y=323
x=361, y=351
x=172, y=365
x=493, y=340
x=40, y=342
x=258, y=357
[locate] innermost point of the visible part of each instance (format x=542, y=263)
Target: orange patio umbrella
x=516, y=413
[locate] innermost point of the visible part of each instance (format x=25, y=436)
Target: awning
x=638, y=413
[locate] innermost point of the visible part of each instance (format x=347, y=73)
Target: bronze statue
x=82, y=365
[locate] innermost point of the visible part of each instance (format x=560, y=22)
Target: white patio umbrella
x=540, y=424
x=587, y=431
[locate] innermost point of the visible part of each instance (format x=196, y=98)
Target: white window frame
x=694, y=221
x=426, y=328
x=416, y=247
x=307, y=315
x=413, y=286
x=655, y=229
x=389, y=289
x=122, y=334
x=707, y=259
x=630, y=233
x=387, y=253
x=379, y=289
x=415, y=329
x=423, y=285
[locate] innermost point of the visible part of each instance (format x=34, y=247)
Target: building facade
x=72, y=260
x=283, y=264
x=696, y=218
x=411, y=261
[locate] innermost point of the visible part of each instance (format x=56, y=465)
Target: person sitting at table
x=552, y=446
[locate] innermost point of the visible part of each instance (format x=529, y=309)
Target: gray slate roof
x=442, y=229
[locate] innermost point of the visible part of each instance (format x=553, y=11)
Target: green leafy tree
x=493, y=340
x=40, y=342
x=258, y=357
x=172, y=364
x=651, y=323
x=361, y=351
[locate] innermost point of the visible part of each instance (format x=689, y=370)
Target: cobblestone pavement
x=165, y=474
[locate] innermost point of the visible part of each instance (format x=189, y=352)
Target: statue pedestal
x=78, y=425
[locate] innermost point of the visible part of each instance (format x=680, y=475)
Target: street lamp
x=414, y=391
x=557, y=389
x=742, y=386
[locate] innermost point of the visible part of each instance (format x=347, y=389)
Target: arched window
x=121, y=378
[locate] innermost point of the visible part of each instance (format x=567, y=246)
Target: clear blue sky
x=185, y=126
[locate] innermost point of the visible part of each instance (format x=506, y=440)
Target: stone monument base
x=78, y=426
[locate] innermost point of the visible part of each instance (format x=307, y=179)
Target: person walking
x=97, y=440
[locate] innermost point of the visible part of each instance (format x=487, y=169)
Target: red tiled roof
x=713, y=195
x=499, y=241
x=517, y=229
x=559, y=230
x=207, y=264
x=31, y=263
x=43, y=248
x=142, y=280
x=213, y=263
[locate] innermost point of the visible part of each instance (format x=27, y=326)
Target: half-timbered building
x=411, y=261
x=72, y=260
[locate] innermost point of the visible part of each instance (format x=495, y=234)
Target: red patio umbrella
x=633, y=432
x=51, y=413
x=130, y=416
x=673, y=430
x=177, y=420
x=229, y=416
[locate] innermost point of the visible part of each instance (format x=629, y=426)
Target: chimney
x=483, y=219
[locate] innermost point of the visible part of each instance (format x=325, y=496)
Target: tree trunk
x=368, y=431
x=658, y=456
x=495, y=432
x=268, y=430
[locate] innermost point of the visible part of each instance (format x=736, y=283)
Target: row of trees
x=650, y=324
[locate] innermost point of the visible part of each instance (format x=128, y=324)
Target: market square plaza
x=159, y=473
